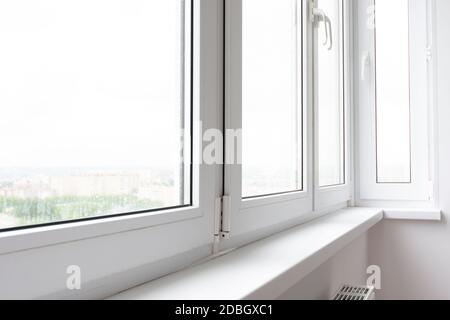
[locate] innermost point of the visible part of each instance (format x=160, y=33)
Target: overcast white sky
x=89, y=82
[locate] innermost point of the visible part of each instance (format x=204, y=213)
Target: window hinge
x=222, y=219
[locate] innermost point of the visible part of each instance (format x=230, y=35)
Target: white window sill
x=266, y=268
x=413, y=214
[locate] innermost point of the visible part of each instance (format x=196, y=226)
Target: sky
x=89, y=82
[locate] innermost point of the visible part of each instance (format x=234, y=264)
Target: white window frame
x=339, y=195
x=266, y=213
x=420, y=190
x=186, y=231
x=250, y=215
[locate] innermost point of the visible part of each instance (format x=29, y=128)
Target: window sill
x=266, y=268
x=413, y=214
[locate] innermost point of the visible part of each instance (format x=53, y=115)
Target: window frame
x=204, y=90
x=251, y=214
x=422, y=150
x=255, y=213
x=338, y=195
x=188, y=148
x=139, y=248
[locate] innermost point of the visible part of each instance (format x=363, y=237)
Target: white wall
x=347, y=266
x=415, y=256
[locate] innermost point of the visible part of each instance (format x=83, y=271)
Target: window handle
x=318, y=15
x=365, y=63
x=330, y=32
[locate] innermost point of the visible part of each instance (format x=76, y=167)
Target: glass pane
x=330, y=105
x=393, y=119
x=271, y=101
x=92, y=108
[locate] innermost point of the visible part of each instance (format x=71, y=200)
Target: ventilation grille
x=355, y=293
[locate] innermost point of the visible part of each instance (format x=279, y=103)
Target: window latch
x=365, y=63
x=317, y=16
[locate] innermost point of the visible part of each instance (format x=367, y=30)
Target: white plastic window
x=95, y=101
